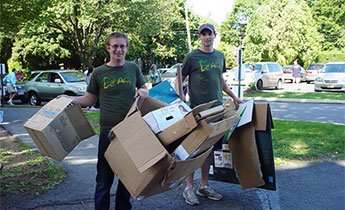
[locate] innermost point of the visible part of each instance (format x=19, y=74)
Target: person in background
x=204, y=68
x=88, y=74
x=296, y=74
x=116, y=84
x=10, y=81
x=155, y=76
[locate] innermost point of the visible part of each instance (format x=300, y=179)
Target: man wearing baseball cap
x=204, y=68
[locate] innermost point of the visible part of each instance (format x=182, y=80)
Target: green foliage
x=330, y=18
x=328, y=56
x=282, y=31
x=230, y=53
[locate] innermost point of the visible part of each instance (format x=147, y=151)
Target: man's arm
x=87, y=100
x=227, y=90
x=142, y=91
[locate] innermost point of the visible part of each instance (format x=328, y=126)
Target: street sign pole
x=239, y=71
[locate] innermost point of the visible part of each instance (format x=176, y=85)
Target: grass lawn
x=26, y=173
x=295, y=141
x=298, y=95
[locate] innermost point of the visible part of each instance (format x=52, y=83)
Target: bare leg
x=205, y=170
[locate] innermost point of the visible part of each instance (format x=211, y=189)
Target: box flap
x=177, y=130
x=79, y=122
x=245, y=157
x=145, y=105
x=47, y=113
x=196, y=110
x=140, y=143
x=247, y=114
x=181, y=168
x=260, y=117
x=208, y=112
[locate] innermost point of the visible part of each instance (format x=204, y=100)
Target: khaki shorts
x=10, y=88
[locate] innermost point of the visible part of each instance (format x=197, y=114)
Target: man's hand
x=142, y=92
x=237, y=101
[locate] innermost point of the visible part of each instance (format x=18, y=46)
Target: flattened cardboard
x=58, y=127
x=245, y=156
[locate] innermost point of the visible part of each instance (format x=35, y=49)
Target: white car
x=231, y=76
x=331, y=78
x=268, y=74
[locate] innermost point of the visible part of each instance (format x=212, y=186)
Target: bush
x=328, y=56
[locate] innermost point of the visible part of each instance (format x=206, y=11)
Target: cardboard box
x=162, y=118
x=141, y=162
x=251, y=151
x=208, y=132
x=58, y=127
x=140, y=159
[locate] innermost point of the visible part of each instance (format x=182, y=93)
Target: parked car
x=312, y=71
x=20, y=93
x=268, y=74
x=331, y=78
x=231, y=76
x=287, y=70
x=46, y=85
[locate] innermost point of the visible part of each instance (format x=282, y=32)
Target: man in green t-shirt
x=205, y=66
x=114, y=84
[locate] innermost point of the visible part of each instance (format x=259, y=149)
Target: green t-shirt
x=115, y=87
x=205, y=76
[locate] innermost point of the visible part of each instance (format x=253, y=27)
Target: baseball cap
x=207, y=26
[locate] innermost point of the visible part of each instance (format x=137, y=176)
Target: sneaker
x=10, y=103
x=190, y=197
x=208, y=192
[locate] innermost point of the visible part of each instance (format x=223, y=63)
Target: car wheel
x=34, y=99
x=279, y=85
x=259, y=84
x=308, y=82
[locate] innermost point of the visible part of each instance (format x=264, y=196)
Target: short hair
x=117, y=35
x=14, y=69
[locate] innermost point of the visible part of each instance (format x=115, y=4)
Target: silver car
x=312, y=71
x=268, y=74
x=331, y=78
x=46, y=85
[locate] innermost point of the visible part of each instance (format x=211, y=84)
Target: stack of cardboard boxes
x=149, y=163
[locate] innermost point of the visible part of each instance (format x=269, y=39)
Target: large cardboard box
x=140, y=159
x=251, y=152
x=58, y=127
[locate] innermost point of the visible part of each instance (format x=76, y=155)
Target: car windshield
x=73, y=76
x=335, y=68
x=315, y=67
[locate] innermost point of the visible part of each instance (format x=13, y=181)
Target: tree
x=330, y=18
x=282, y=31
